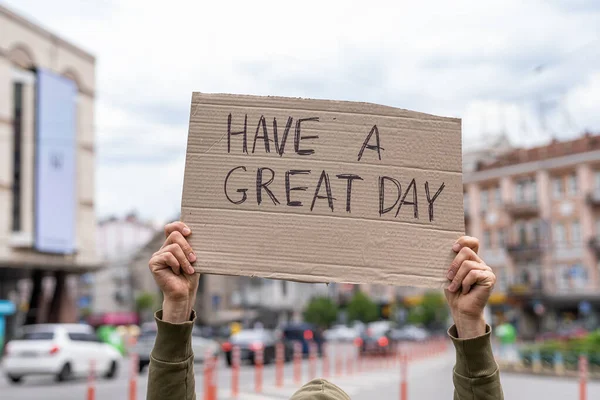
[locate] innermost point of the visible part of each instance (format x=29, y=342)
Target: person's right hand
x=173, y=272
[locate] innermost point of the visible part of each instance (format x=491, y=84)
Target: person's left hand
x=472, y=282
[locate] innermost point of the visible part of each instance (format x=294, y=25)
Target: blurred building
x=537, y=214
x=110, y=290
x=47, y=221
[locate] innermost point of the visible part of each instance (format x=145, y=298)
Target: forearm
x=171, y=373
x=476, y=374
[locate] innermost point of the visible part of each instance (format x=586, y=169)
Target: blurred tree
x=362, y=308
x=144, y=302
x=431, y=312
x=321, y=311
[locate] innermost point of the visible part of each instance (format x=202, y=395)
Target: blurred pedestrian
x=171, y=376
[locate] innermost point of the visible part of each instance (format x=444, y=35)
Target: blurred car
x=409, y=333
x=303, y=333
x=341, y=333
x=377, y=339
x=62, y=350
x=250, y=341
x=200, y=345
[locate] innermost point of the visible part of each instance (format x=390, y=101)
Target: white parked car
x=145, y=342
x=62, y=350
x=341, y=333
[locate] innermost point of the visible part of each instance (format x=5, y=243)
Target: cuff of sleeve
x=173, y=341
x=474, y=356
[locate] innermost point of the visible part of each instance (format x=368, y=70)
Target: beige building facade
x=537, y=215
x=41, y=283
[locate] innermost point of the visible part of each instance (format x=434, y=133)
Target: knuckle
x=465, y=251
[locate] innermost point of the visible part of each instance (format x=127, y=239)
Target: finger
x=466, y=267
x=477, y=277
x=159, y=260
x=178, y=252
x=464, y=254
x=466, y=241
x=177, y=226
x=177, y=238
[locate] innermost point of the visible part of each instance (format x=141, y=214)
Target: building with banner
x=537, y=214
x=47, y=219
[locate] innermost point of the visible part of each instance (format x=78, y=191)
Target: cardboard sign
x=322, y=191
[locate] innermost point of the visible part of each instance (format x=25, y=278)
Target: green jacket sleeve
x=171, y=373
x=476, y=375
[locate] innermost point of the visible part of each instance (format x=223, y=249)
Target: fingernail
x=452, y=287
x=191, y=270
x=450, y=275
x=456, y=247
x=186, y=231
x=192, y=257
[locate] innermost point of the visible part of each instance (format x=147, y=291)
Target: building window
x=487, y=239
x=17, y=141
x=557, y=188
x=520, y=192
x=535, y=231
x=284, y=288
x=501, y=279
x=484, y=200
x=501, y=238
x=522, y=233
x=575, y=233
x=572, y=184
x=532, y=189
x=559, y=234
x=571, y=277
x=498, y=196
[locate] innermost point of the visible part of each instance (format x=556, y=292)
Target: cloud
x=527, y=68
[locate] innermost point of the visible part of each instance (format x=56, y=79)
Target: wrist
x=469, y=327
x=176, y=312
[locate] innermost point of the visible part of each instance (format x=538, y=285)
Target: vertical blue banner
x=55, y=194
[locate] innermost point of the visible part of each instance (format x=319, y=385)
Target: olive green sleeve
x=476, y=375
x=171, y=373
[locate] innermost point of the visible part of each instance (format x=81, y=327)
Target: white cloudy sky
x=496, y=64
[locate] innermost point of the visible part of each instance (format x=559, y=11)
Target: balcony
x=525, y=251
x=593, y=199
x=523, y=209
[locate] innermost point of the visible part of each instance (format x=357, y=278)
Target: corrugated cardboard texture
x=337, y=234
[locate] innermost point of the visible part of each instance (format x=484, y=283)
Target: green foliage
x=431, y=311
x=321, y=311
x=144, y=301
x=361, y=308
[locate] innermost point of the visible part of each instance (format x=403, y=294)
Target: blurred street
x=428, y=379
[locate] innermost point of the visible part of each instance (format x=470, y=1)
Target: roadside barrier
x=279, y=364
x=583, y=372
x=134, y=368
x=210, y=388
x=325, y=360
x=258, y=369
x=297, y=363
x=338, y=361
x=312, y=360
x=235, y=371
x=91, y=389
x=403, y=377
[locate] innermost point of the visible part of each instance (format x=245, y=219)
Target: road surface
x=428, y=379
